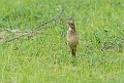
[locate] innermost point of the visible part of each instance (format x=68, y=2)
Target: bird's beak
x=67, y=22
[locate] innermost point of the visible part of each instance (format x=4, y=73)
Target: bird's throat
x=72, y=29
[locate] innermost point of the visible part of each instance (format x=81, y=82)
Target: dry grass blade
x=32, y=32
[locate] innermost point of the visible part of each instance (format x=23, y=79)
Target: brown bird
x=72, y=37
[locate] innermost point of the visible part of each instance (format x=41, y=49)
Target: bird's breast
x=72, y=38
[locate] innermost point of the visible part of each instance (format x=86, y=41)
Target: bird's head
x=71, y=24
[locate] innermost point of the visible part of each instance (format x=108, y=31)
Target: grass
x=45, y=58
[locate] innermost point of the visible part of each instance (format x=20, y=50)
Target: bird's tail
x=73, y=52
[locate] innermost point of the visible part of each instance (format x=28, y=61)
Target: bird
x=72, y=37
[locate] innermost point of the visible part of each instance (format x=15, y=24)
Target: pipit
x=72, y=38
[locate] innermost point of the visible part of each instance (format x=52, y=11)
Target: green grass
x=45, y=58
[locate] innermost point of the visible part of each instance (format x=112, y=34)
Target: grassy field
x=45, y=58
